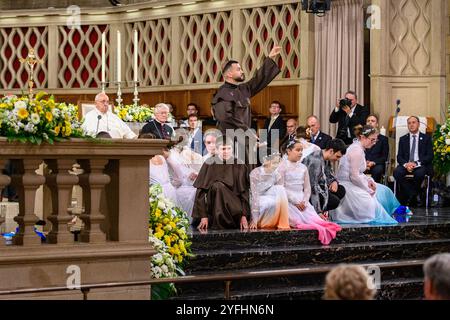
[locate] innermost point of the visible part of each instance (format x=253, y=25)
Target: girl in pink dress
x=296, y=182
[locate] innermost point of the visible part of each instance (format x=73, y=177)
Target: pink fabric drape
x=339, y=58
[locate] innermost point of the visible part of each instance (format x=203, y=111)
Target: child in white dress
x=269, y=203
x=296, y=182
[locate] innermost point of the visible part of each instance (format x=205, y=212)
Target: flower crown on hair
x=271, y=156
x=368, y=131
x=291, y=143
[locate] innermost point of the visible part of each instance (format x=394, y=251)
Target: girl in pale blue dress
x=365, y=201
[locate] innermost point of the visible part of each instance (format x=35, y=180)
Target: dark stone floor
x=230, y=251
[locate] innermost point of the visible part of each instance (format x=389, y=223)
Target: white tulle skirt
x=358, y=206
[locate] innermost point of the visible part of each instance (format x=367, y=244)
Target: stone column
x=408, y=58
x=27, y=182
x=93, y=182
x=61, y=183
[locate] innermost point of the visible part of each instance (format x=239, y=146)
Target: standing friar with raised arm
x=231, y=103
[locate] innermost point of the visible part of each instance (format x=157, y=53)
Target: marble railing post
x=4, y=181
x=93, y=182
x=27, y=182
x=61, y=183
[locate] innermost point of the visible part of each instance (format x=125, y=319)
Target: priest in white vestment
x=101, y=119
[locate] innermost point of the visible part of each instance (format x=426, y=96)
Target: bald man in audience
x=319, y=138
x=291, y=128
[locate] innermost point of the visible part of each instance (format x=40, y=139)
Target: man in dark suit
x=291, y=129
x=348, y=116
x=275, y=125
x=317, y=137
x=158, y=125
x=414, y=157
x=377, y=156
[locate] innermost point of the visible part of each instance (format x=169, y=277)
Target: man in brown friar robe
x=231, y=103
x=222, y=198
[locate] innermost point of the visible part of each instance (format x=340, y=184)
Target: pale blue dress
x=360, y=205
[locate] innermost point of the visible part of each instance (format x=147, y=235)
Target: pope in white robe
x=101, y=119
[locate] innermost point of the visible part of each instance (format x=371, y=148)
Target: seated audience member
x=302, y=134
x=275, y=125
x=191, y=109
x=158, y=126
x=414, y=157
x=377, y=156
x=269, y=204
x=326, y=192
x=222, y=198
x=319, y=138
x=437, y=277
x=195, y=135
x=348, y=282
x=298, y=189
x=101, y=119
x=365, y=201
x=291, y=128
x=209, y=139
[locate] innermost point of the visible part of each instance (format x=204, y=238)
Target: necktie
x=313, y=138
x=413, y=149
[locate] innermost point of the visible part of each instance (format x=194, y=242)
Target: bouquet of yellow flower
x=169, y=224
x=38, y=120
x=131, y=113
x=441, y=147
x=162, y=266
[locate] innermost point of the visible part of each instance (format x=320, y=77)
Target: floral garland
x=167, y=229
x=441, y=147
x=131, y=113
x=38, y=120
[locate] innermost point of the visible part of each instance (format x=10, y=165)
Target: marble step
x=313, y=277
x=276, y=257
x=401, y=289
x=232, y=239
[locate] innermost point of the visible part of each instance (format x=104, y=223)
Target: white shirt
x=109, y=122
x=192, y=135
x=416, y=150
x=272, y=121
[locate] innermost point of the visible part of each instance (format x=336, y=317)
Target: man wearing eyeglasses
x=158, y=126
x=103, y=120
